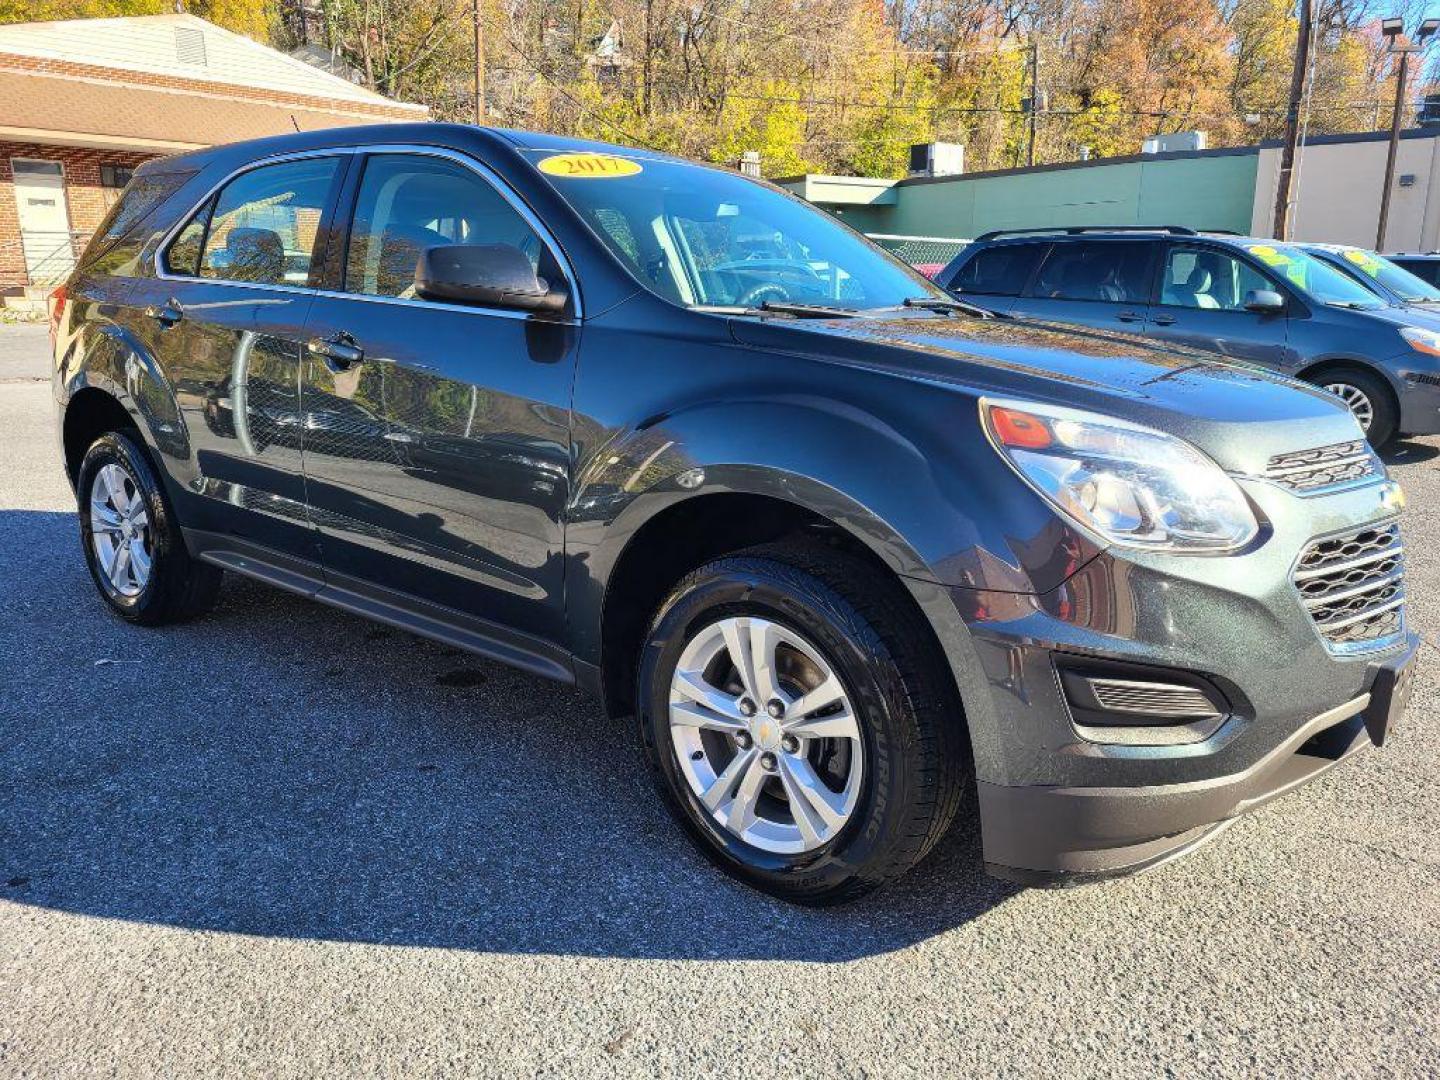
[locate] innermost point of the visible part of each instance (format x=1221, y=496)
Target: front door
x=226, y=322
x=1202, y=305
x=437, y=435
x=44, y=220
x=1103, y=284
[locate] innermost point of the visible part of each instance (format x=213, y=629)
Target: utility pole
x=1396, y=43
x=1034, y=99
x=479, y=63
x=1396, y=118
x=1298, y=80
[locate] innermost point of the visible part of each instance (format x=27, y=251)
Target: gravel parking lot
x=283, y=841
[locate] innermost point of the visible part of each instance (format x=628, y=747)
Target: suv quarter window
x=408, y=202
x=1196, y=276
x=262, y=227
x=1103, y=271
x=1003, y=270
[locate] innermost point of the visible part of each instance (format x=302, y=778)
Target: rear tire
x=1367, y=397
x=907, y=742
x=131, y=540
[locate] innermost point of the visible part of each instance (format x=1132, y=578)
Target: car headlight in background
x=1423, y=341
x=1134, y=486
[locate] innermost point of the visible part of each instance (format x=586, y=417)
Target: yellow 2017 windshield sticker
x=589, y=166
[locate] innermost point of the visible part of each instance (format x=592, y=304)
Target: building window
x=113, y=179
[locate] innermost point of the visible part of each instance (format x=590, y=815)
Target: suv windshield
x=704, y=236
x=1368, y=265
x=1315, y=277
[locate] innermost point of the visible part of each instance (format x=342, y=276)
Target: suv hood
x=1239, y=414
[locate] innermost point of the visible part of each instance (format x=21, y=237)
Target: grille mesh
x=1353, y=586
x=1323, y=467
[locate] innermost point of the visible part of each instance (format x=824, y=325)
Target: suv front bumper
x=1042, y=835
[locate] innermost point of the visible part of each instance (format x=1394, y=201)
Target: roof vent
x=190, y=45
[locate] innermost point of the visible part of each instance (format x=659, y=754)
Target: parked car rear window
x=1116, y=272
x=115, y=247
x=411, y=202
x=999, y=271
x=262, y=227
x=1427, y=270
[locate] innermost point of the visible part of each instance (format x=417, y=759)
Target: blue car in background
x=1381, y=275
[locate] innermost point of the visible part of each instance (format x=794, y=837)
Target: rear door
x=437, y=458
x=1201, y=304
x=1100, y=283
x=994, y=277
x=226, y=318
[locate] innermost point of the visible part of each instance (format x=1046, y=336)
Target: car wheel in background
x=1367, y=397
x=799, y=723
x=131, y=540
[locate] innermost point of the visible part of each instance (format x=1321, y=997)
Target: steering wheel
x=758, y=294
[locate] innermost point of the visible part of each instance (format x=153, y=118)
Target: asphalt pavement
x=283, y=841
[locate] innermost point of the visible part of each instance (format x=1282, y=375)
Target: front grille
x=1353, y=586
x=1323, y=467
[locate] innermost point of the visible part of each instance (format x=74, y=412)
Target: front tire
x=799, y=723
x=131, y=540
x=1368, y=399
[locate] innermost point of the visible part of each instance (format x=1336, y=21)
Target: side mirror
x=486, y=275
x=1264, y=302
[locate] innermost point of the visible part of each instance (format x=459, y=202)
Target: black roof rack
x=1076, y=230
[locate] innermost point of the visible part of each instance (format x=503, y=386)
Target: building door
x=44, y=220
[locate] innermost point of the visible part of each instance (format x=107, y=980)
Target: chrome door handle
x=338, y=352
x=1129, y=316
x=166, y=314
x=1164, y=320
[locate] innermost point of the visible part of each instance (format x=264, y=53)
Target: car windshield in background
x=702, y=236
x=1315, y=277
x=1396, y=279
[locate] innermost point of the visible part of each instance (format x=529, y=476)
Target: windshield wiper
x=1353, y=305
x=945, y=303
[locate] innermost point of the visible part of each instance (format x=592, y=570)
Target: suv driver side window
x=1209, y=280
x=410, y=202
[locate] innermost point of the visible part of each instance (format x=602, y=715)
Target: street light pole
x=1397, y=43
x=1034, y=99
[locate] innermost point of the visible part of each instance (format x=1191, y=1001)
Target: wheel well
x=683, y=537
x=90, y=414
x=1316, y=373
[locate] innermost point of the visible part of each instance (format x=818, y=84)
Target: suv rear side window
x=410, y=202
x=999, y=271
x=1106, y=271
x=117, y=242
x=262, y=227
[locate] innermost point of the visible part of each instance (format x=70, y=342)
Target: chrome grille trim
x=1152, y=699
x=1353, y=587
x=1323, y=468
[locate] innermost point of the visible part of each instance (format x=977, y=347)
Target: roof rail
x=1076, y=230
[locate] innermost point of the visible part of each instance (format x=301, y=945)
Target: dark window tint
x=1115, y=272
x=265, y=223
x=999, y=271
x=184, y=254
x=119, y=239
x=408, y=203
x=1200, y=278
x=1427, y=270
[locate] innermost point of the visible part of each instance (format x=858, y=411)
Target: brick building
x=82, y=102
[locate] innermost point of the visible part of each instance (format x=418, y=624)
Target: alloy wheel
x=1356, y=400
x=765, y=735
x=120, y=530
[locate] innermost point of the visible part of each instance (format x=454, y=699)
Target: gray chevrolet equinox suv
x=857, y=558
x=1252, y=301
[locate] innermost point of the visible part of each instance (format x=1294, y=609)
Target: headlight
x=1132, y=485
x=1425, y=341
